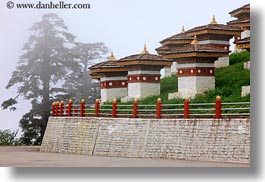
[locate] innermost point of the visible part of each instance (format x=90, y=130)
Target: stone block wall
x=166, y=72
x=223, y=140
x=113, y=93
x=141, y=89
x=246, y=65
x=221, y=62
x=245, y=90
x=191, y=85
x=174, y=68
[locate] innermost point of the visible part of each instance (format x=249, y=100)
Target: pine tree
x=52, y=68
x=46, y=64
x=82, y=86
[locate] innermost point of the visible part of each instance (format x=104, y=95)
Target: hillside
x=229, y=81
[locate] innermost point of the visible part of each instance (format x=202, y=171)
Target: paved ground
x=31, y=157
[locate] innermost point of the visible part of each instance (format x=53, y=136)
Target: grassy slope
x=229, y=81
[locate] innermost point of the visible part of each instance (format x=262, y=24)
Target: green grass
x=239, y=57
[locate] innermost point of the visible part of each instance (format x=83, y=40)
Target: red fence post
x=114, y=108
x=135, y=108
x=53, y=109
x=70, y=105
x=56, y=113
x=187, y=108
x=158, y=108
x=61, y=108
x=82, y=108
x=97, y=106
x=218, y=107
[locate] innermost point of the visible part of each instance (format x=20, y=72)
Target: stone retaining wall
x=223, y=140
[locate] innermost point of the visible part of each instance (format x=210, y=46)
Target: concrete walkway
x=31, y=157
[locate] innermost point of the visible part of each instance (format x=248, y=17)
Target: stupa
x=217, y=35
x=196, y=71
x=242, y=21
x=177, y=40
x=113, y=79
x=143, y=74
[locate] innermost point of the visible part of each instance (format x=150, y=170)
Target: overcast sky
x=123, y=25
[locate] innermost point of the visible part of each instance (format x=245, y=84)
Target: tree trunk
x=45, y=103
x=86, y=91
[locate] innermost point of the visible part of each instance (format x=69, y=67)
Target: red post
x=158, y=108
x=114, y=108
x=56, y=112
x=61, y=108
x=70, y=105
x=53, y=109
x=187, y=108
x=135, y=108
x=218, y=107
x=97, y=106
x=82, y=108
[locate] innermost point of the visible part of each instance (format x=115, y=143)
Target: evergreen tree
x=82, y=86
x=46, y=64
x=52, y=68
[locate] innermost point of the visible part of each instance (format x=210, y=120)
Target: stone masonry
x=245, y=90
x=223, y=140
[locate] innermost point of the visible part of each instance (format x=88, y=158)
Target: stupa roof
x=243, y=41
x=242, y=22
x=144, y=58
x=107, y=66
x=214, y=28
x=178, y=38
x=242, y=10
x=195, y=49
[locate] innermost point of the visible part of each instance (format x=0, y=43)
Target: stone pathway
x=31, y=157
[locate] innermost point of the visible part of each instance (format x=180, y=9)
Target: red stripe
x=199, y=71
x=144, y=78
x=114, y=84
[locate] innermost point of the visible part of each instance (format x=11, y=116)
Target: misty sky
x=123, y=25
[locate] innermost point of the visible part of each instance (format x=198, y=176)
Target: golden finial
x=145, y=51
x=112, y=57
x=183, y=29
x=159, y=100
x=213, y=20
x=195, y=41
x=218, y=98
x=82, y=100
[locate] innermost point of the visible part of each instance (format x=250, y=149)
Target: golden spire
x=145, y=51
x=112, y=58
x=183, y=29
x=195, y=41
x=213, y=20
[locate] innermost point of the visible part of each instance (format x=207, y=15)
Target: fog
x=123, y=25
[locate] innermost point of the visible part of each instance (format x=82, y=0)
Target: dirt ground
x=31, y=157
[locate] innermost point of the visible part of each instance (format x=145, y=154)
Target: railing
x=158, y=110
